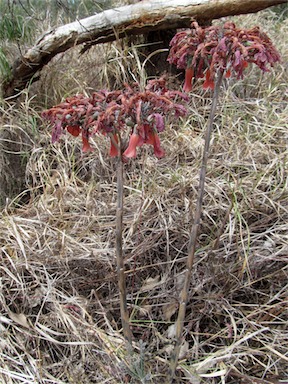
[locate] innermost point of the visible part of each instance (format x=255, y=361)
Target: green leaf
x=5, y=68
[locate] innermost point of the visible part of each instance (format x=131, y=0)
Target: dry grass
x=59, y=320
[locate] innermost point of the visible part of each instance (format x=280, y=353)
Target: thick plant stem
x=119, y=254
x=194, y=233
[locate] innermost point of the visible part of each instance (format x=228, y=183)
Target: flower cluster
x=141, y=112
x=202, y=51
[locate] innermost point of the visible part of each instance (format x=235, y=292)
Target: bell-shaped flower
x=153, y=139
x=208, y=83
x=134, y=141
x=189, y=73
x=114, y=145
x=158, y=151
x=74, y=130
x=86, y=147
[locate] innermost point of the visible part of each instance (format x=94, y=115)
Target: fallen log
x=112, y=24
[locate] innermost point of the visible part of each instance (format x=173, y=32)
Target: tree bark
x=109, y=25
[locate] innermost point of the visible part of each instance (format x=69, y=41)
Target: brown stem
x=194, y=233
x=119, y=251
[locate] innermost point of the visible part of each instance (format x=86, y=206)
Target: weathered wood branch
x=109, y=25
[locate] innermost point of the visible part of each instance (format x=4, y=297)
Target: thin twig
x=194, y=233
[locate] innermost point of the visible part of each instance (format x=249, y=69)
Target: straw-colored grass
x=60, y=315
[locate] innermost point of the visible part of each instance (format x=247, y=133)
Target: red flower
x=74, y=130
x=85, y=145
x=158, y=151
x=114, y=146
x=208, y=83
x=189, y=73
x=228, y=73
x=133, y=143
x=110, y=113
x=218, y=48
x=153, y=139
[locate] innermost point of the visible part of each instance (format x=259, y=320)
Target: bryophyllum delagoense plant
x=140, y=115
x=202, y=51
x=212, y=52
x=130, y=116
